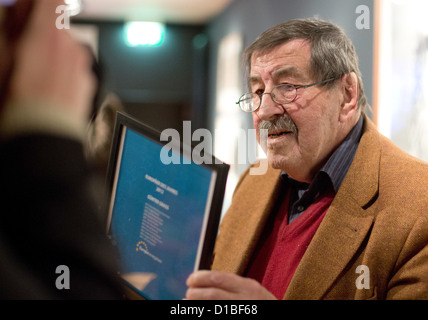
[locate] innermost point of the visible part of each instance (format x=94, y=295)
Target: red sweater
x=279, y=251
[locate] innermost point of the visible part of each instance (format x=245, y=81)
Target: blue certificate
x=163, y=217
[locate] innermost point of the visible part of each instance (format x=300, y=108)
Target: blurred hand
x=51, y=66
x=216, y=285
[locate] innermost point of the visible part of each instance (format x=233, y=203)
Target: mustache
x=283, y=122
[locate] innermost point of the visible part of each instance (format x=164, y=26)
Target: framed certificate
x=164, y=209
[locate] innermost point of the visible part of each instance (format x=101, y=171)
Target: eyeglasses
x=281, y=94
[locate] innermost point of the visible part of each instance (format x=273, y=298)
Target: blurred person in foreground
x=341, y=213
x=48, y=219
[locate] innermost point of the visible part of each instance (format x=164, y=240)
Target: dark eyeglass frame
x=251, y=95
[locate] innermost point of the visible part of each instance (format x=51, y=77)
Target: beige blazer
x=378, y=220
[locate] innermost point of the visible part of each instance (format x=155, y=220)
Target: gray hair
x=332, y=53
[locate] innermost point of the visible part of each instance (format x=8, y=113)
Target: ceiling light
x=144, y=33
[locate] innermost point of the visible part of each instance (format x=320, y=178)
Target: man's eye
x=259, y=92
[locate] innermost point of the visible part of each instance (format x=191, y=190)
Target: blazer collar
x=253, y=210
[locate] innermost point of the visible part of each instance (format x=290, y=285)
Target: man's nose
x=269, y=109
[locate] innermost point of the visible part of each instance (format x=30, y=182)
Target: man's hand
x=216, y=285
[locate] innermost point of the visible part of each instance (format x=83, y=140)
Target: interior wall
x=402, y=72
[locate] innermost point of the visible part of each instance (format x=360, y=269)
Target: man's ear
x=350, y=91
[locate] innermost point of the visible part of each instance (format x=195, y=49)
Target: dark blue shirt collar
x=338, y=164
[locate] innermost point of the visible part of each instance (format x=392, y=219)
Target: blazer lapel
x=237, y=240
x=333, y=246
x=345, y=225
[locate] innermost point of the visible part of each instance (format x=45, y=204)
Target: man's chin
x=277, y=162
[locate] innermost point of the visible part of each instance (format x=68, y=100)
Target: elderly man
x=341, y=213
